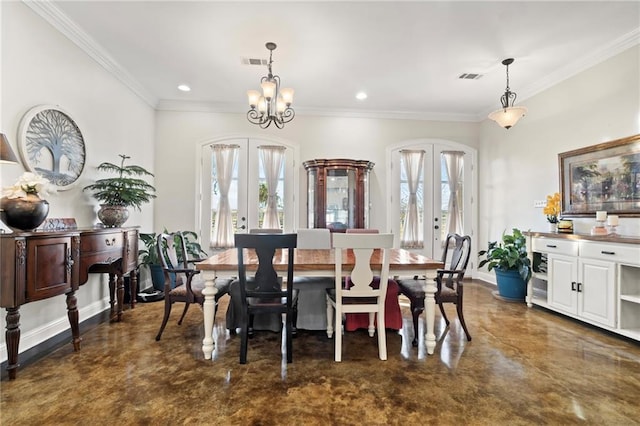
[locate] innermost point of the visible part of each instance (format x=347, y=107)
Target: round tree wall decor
x=51, y=145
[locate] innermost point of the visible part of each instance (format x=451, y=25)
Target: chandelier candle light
x=509, y=115
x=274, y=105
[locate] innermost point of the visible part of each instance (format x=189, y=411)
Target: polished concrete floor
x=524, y=366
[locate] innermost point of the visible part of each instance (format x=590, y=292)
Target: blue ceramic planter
x=510, y=284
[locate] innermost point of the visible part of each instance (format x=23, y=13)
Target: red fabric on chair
x=393, y=315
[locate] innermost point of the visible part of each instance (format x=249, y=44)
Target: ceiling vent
x=470, y=76
x=254, y=61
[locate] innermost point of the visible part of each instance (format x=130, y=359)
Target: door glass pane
x=445, y=197
x=404, y=198
x=263, y=194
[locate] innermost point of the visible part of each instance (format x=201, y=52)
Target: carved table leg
x=208, y=309
x=112, y=293
x=430, y=313
x=120, y=294
x=12, y=339
x=72, y=313
x=133, y=287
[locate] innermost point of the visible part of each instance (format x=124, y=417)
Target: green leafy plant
x=509, y=254
x=125, y=189
x=149, y=254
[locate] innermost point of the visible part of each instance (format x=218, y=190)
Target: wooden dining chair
x=263, y=292
x=362, y=292
x=182, y=283
x=449, y=283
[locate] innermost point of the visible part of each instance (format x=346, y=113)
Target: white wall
x=41, y=66
x=520, y=165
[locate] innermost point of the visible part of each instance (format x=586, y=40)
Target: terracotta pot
x=23, y=214
x=113, y=216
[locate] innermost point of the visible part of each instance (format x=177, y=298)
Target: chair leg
x=461, y=318
x=329, y=318
x=372, y=328
x=289, y=337
x=382, y=336
x=184, y=312
x=416, y=310
x=167, y=311
x=444, y=315
x=244, y=339
x=338, y=337
x=294, y=321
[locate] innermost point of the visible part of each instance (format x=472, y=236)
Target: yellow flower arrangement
x=552, y=209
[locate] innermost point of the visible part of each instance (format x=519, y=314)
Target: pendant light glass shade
x=508, y=115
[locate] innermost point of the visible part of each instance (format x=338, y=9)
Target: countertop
x=611, y=238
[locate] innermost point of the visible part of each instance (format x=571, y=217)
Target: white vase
x=553, y=227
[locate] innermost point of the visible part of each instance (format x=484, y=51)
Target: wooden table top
x=309, y=260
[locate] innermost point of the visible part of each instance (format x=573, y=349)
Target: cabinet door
x=563, y=283
x=49, y=267
x=596, y=292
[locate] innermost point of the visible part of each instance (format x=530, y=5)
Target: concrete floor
x=524, y=366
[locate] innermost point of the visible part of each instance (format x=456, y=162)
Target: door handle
x=436, y=227
x=579, y=287
x=243, y=227
x=573, y=286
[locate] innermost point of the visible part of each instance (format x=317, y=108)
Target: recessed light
x=184, y=88
x=361, y=96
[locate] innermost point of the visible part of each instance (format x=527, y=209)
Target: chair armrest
x=183, y=271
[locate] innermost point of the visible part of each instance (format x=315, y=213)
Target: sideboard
x=595, y=279
x=41, y=264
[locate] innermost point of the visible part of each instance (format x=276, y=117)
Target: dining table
x=316, y=262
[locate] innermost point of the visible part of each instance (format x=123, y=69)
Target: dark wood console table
x=42, y=264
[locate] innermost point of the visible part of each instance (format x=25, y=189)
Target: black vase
x=23, y=214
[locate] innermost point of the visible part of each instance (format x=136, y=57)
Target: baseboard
x=33, y=338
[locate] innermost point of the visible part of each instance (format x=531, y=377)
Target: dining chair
x=362, y=292
x=263, y=293
x=449, y=283
x=182, y=283
x=266, y=231
x=362, y=231
x=312, y=308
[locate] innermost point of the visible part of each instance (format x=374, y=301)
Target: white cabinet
x=583, y=287
x=591, y=280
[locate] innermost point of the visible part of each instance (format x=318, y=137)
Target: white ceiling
x=406, y=55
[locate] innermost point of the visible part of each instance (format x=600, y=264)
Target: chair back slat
x=314, y=238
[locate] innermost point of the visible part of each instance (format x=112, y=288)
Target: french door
x=441, y=203
x=248, y=189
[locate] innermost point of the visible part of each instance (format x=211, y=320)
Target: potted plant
x=149, y=254
x=552, y=211
x=512, y=265
x=118, y=193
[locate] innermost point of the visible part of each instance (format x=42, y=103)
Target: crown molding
x=194, y=106
x=54, y=16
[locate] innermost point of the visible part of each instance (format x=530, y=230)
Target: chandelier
x=508, y=115
x=274, y=105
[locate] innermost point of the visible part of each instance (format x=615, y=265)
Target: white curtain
x=454, y=163
x=272, y=158
x=224, y=157
x=412, y=231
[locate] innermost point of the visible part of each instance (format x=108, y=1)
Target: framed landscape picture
x=52, y=146
x=601, y=177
